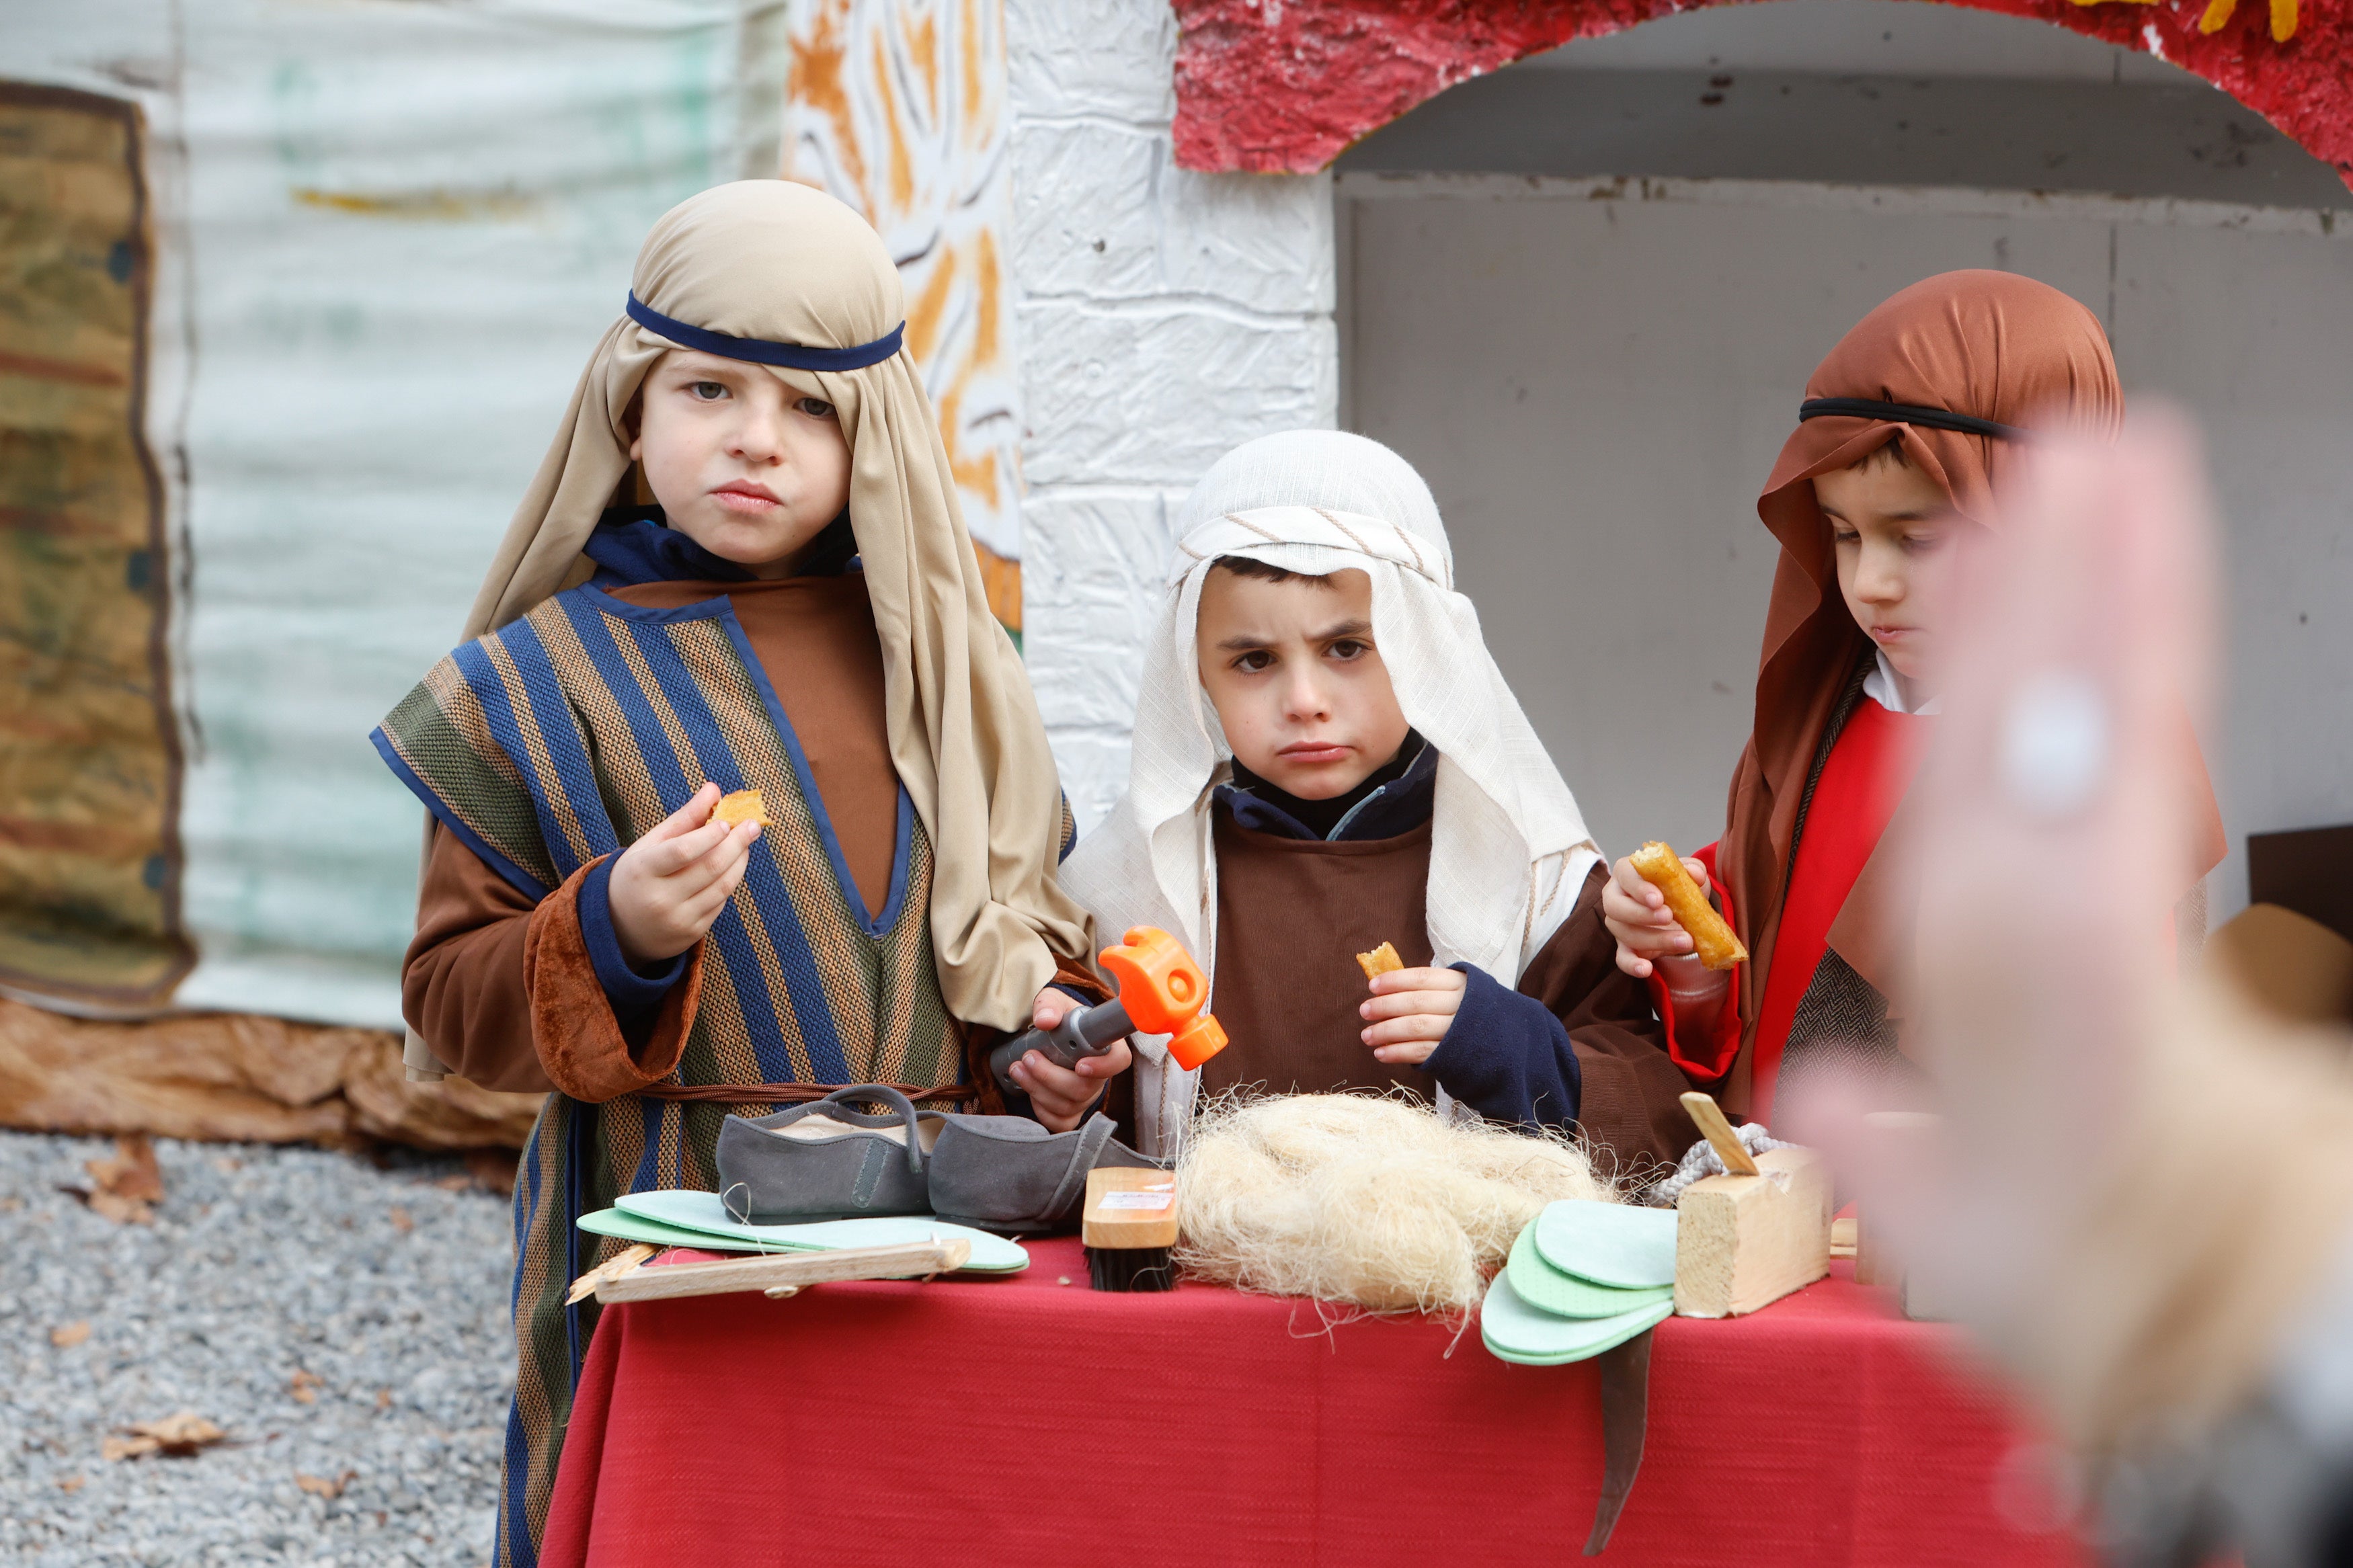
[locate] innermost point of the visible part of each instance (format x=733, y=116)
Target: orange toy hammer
x=1161, y=992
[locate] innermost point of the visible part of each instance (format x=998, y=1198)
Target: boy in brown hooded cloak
x=1905, y=434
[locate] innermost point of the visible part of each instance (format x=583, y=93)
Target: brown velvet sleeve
x=580, y=1043
x=462, y=983
x=1630, y=1101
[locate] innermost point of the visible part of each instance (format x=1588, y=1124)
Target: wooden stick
x=613, y=1268
x=1737, y=1160
x=794, y=1269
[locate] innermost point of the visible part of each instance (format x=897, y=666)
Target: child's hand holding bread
x=668, y=887
x=1411, y=1009
x=1640, y=914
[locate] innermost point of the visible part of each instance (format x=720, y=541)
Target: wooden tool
x=1708, y=1117
x=613, y=1268
x=1745, y=1239
x=1129, y=1225
x=781, y=1274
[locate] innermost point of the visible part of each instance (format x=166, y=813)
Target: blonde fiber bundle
x=1375, y=1201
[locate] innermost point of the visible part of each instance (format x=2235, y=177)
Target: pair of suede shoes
x=827, y=1160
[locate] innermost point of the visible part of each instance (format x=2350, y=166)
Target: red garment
x=1863, y=780
x=1027, y=1422
x=1865, y=777
x=1706, y=1055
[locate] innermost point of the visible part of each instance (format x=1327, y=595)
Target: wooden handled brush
x=1129, y=1225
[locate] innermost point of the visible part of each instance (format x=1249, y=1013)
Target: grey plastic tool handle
x=1084, y=1032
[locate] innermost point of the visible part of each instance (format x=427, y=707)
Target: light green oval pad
x=704, y=1214
x=1548, y=1290
x=1617, y=1245
x=636, y=1227
x=1515, y=1331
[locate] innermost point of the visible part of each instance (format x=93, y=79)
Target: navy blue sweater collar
x=1396, y=806
x=632, y=545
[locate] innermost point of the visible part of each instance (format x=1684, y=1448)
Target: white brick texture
x=1165, y=317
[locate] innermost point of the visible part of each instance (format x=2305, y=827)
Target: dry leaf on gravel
x=320, y=1486
x=384, y=1399
x=401, y=1221
x=65, y=1336
x=178, y=1435
x=304, y=1386
x=70, y=1484
x=133, y=1172
x=126, y=1187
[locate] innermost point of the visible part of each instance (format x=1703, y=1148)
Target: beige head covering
x=781, y=263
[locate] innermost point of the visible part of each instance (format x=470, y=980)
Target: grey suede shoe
x=825, y=1160
x=1006, y=1174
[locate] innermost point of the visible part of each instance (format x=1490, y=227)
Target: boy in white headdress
x=1326, y=758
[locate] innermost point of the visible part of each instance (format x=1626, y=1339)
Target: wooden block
x=1129, y=1207
x=1897, y=1136
x=1845, y=1237
x=780, y=1273
x=1743, y=1242
x=1874, y=1264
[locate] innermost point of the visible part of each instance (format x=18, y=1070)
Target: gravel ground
x=385, y=1286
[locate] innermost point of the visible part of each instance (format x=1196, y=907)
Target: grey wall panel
x=1595, y=388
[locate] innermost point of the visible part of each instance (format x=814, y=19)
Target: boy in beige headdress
x=801, y=614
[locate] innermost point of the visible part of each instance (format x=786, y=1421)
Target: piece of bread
x=1382, y=960
x=1660, y=866
x=743, y=806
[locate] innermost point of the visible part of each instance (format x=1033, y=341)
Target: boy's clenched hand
x=1059, y=1096
x=668, y=887
x=1410, y=1012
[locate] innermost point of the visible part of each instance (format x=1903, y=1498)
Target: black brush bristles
x=1130, y=1269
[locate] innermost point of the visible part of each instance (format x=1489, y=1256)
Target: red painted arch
x=1285, y=86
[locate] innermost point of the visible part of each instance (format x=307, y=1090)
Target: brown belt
x=791, y=1093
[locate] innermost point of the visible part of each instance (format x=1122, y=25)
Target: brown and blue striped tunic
x=545, y=747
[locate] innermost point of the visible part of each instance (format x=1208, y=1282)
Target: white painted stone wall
x=1165, y=317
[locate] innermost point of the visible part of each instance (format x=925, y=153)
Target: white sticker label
x=1137, y=1200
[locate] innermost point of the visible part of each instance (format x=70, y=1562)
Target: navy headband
x=1907, y=413
x=792, y=356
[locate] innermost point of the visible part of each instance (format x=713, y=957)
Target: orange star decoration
x=2283, y=18
x=2219, y=12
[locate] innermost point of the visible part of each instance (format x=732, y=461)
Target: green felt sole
x=698, y=1220
x=1548, y=1290
x=1515, y=1332
x=1616, y=1245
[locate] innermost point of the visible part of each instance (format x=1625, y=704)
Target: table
x=1031, y=1421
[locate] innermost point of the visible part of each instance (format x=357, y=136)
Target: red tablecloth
x=1027, y=1421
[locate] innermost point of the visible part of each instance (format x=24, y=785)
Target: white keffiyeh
x=1509, y=851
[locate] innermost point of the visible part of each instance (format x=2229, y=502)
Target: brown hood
x=1991, y=345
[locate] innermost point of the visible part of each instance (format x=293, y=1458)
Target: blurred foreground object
x=2285, y=965
x=2142, y=1194
x=234, y=1077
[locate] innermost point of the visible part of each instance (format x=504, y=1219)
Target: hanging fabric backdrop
x=305, y=289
